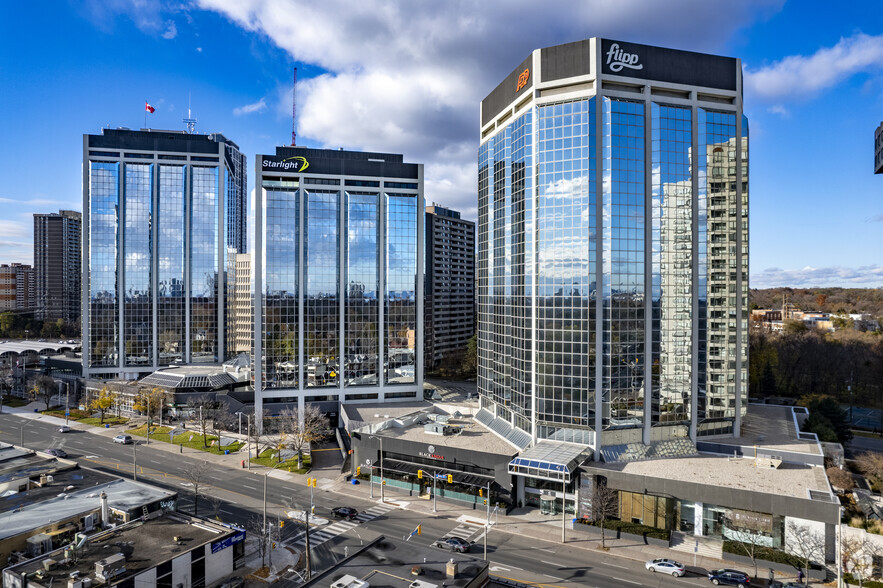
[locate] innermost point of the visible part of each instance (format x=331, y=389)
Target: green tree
x=105, y=401
x=470, y=358
x=826, y=419
x=8, y=322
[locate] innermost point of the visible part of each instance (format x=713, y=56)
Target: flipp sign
x=618, y=59
x=523, y=79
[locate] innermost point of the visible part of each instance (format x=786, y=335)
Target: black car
x=344, y=512
x=730, y=578
x=454, y=544
x=57, y=452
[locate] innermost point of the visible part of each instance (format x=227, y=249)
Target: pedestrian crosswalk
x=323, y=534
x=465, y=531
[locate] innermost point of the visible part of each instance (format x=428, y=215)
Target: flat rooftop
x=472, y=437
x=387, y=563
x=794, y=480
x=369, y=414
x=771, y=428
x=65, y=502
x=152, y=541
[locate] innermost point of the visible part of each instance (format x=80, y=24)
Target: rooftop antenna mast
x=294, y=109
x=189, y=121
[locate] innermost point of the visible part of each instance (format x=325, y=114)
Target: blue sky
x=407, y=77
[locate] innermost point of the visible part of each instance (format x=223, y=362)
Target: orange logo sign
x=522, y=79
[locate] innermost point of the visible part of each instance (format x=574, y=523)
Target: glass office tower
x=160, y=209
x=338, y=278
x=613, y=247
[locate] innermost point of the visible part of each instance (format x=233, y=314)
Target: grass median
x=191, y=439
x=269, y=459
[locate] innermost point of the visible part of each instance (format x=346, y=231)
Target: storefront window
x=646, y=509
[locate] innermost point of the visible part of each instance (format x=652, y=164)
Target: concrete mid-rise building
x=240, y=305
x=450, y=284
x=161, y=210
x=16, y=287
x=57, y=264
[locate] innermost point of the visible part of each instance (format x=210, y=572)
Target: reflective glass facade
x=156, y=232
x=612, y=294
x=346, y=238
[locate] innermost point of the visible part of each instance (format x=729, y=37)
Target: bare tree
x=201, y=409
x=261, y=437
x=605, y=505
x=221, y=419
x=300, y=433
x=858, y=557
x=742, y=533
x=255, y=528
x=215, y=503
x=806, y=544
x=840, y=478
x=871, y=465
x=43, y=388
x=196, y=475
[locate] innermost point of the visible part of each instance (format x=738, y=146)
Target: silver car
x=666, y=566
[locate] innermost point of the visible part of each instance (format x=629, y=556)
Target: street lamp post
x=148, y=420
x=248, y=440
x=487, y=524
x=266, y=537
x=134, y=462
x=67, y=397
x=382, y=481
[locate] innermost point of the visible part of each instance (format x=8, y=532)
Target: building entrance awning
x=550, y=460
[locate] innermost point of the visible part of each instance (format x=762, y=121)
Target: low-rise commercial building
x=171, y=549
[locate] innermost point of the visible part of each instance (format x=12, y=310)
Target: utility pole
x=67, y=396
x=434, y=493
x=487, y=524
x=563, y=511
x=134, y=463
x=248, y=441
x=148, y=420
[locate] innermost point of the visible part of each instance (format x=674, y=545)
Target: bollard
x=242, y=463
x=226, y=452
x=182, y=447
x=106, y=426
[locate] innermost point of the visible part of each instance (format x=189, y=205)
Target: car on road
x=453, y=544
x=729, y=577
x=344, y=512
x=64, y=429
x=666, y=566
x=57, y=452
x=124, y=439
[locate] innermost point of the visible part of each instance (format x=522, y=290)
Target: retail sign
x=618, y=59
x=430, y=453
x=229, y=541
x=523, y=78
x=296, y=163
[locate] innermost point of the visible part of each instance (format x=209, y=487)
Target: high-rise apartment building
x=338, y=277
x=878, y=150
x=450, y=284
x=240, y=327
x=160, y=210
x=16, y=287
x=57, y=264
x=613, y=248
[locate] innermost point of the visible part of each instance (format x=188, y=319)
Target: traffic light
x=450, y=479
x=358, y=470
x=419, y=474
x=419, y=529
x=311, y=482
x=481, y=492
x=281, y=524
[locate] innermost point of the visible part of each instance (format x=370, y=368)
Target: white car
x=64, y=429
x=666, y=566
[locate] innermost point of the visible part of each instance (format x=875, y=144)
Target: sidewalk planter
x=595, y=533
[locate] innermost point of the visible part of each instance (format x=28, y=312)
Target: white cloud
x=780, y=110
x=171, y=31
x=408, y=77
x=796, y=76
x=876, y=219
x=199, y=49
x=870, y=276
x=250, y=108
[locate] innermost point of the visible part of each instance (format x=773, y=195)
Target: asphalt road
x=240, y=494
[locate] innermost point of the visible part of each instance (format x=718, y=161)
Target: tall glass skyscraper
x=338, y=278
x=613, y=247
x=160, y=209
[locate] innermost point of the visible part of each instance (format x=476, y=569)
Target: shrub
x=850, y=579
x=630, y=528
x=765, y=553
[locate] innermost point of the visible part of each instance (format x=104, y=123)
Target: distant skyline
x=408, y=76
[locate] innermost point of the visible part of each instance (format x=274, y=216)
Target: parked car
x=57, y=452
x=454, y=544
x=730, y=578
x=124, y=439
x=64, y=429
x=344, y=512
x=666, y=566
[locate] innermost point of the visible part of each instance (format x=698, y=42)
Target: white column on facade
x=381, y=295
x=698, y=529
x=257, y=288
x=154, y=263
x=599, y=251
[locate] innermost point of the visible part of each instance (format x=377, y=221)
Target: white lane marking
x=628, y=581
x=604, y=563
x=554, y=578
x=552, y=563
x=546, y=550
x=513, y=567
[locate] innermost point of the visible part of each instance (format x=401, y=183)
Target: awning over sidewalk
x=550, y=460
x=460, y=477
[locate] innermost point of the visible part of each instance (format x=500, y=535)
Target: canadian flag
x=149, y=108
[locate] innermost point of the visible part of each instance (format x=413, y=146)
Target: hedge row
x=849, y=579
x=631, y=528
x=765, y=553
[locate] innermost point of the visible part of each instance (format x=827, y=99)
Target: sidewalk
x=525, y=522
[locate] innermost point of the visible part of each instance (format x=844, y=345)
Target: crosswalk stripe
x=333, y=530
